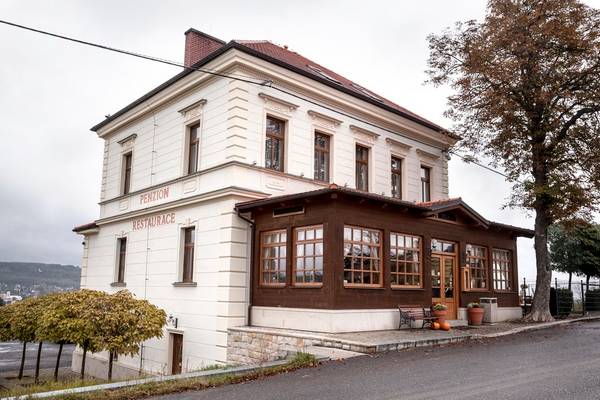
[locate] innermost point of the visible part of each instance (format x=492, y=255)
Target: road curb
x=536, y=327
x=135, y=382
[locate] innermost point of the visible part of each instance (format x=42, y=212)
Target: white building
x=9, y=299
x=253, y=120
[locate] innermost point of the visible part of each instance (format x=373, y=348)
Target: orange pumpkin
x=435, y=326
x=445, y=326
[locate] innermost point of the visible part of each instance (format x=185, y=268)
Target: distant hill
x=38, y=277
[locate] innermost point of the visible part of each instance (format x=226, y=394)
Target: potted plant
x=474, y=314
x=439, y=310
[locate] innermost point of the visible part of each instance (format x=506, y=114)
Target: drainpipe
x=252, y=231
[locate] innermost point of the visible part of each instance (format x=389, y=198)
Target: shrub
x=439, y=307
x=474, y=305
x=592, y=300
x=561, y=302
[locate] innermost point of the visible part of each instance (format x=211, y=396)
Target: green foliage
x=125, y=322
x=474, y=305
x=5, y=317
x=575, y=249
x=439, y=307
x=561, y=302
x=592, y=300
x=24, y=318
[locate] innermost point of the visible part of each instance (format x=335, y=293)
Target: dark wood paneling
x=336, y=212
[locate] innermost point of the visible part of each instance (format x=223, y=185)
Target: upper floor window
x=501, y=269
x=362, y=257
x=425, y=183
x=122, y=247
x=476, y=267
x=405, y=260
x=362, y=168
x=322, y=157
x=127, y=158
x=275, y=144
x=396, y=177
x=308, y=256
x=189, y=240
x=193, y=149
x=273, y=257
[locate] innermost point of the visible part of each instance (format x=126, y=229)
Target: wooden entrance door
x=177, y=352
x=443, y=282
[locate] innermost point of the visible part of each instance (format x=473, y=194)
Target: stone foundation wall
x=252, y=347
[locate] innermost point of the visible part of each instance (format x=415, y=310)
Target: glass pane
x=300, y=234
x=449, y=277
x=310, y=234
x=347, y=233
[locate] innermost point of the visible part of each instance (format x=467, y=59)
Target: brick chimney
x=199, y=45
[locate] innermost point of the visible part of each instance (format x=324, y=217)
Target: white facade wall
x=232, y=118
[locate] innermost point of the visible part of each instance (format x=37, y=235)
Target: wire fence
x=566, y=298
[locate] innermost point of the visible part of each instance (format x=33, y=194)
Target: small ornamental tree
x=564, y=254
x=526, y=84
x=126, y=323
x=75, y=319
x=51, y=327
x=24, y=318
x=6, y=334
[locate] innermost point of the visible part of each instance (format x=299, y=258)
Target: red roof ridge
x=442, y=201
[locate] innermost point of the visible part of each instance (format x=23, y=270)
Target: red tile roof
x=297, y=60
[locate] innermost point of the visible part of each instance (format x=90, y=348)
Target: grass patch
x=301, y=360
x=49, y=386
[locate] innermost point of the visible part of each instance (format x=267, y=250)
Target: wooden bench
x=408, y=314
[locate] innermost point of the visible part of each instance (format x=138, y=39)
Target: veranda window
x=501, y=269
x=273, y=256
x=362, y=257
x=308, y=256
x=476, y=268
x=405, y=260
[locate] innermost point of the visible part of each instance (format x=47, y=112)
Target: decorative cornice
x=129, y=138
x=394, y=142
x=280, y=102
x=197, y=104
x=364, y=131
x=426, y=154
x=317, y=115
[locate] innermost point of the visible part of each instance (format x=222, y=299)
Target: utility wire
x=241, y=78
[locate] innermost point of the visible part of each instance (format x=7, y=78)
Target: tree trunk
x=540, y=308
x=110, y=364
x=22, y=361
x=60, y=348
x=37, y=363
x=587, y=283
x=83, y=362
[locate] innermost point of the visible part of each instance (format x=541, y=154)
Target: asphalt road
x=10, y=356
x=558, y=363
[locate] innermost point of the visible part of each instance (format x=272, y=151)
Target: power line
x=241, y=78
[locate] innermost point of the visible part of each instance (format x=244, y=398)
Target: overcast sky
x=52, y=92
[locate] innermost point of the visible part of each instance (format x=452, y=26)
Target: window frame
x=127, y=168
x=381, y=272
x=281, y=138
x=327, y=152
x=509, y=270
x=191, y=247
x=396, y=261
x=361, y=162
x=121, y=260
x=190, y=143
x=467, y=269
x=261, y=269
x=398, y=172
x=295, y=256
x=425, y=182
